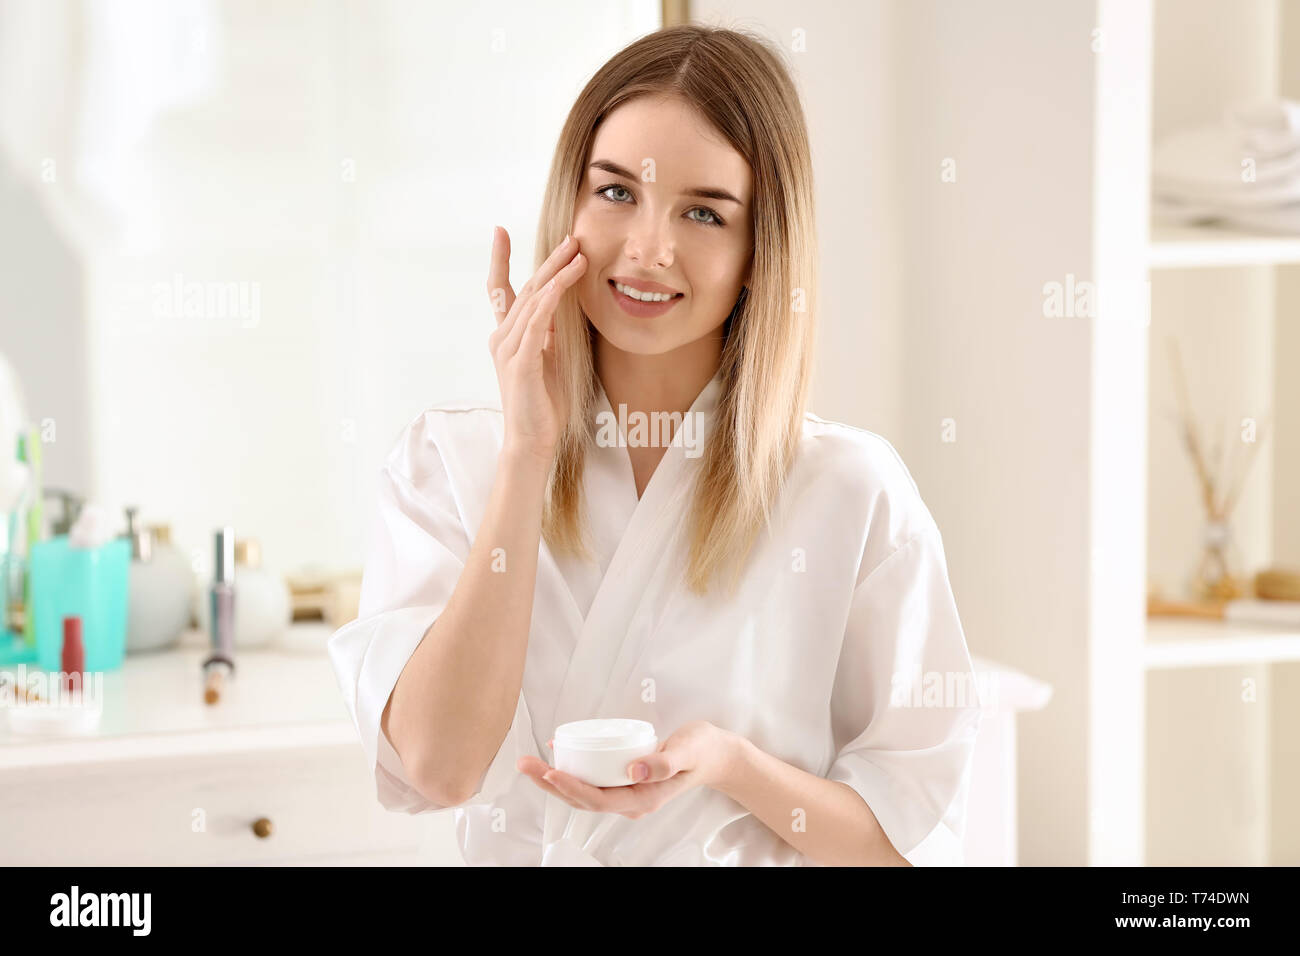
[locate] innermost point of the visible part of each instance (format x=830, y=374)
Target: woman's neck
x=669, y=382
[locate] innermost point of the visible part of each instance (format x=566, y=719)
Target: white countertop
x=153, y=706
x=281, y=697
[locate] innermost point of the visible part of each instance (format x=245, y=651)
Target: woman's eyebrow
x=703, y=192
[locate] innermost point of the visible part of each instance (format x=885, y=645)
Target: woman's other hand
x=699, y=754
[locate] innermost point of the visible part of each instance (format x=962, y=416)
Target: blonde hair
x=740, y=85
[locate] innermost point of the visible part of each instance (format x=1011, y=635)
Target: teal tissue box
x=88, y=582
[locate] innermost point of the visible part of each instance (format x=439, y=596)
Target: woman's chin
x=636, y=336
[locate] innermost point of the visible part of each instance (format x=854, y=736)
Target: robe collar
x=640, y=575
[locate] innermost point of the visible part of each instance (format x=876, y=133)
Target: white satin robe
x=848, y=587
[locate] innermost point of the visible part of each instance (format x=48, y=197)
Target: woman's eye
x=712, y=218
x=602, y=192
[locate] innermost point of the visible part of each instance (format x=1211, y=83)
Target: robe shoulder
x=857, y=470
x=873, y=489
x=451, y=431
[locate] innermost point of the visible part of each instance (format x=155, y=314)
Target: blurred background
x=242, y=245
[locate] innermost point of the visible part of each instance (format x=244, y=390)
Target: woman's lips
x=642, y=310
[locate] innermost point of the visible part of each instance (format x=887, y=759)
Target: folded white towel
x=1213, y=159
x=1243, y=171
x=1282, y=219
x=1241, y=196
x=1270, y=128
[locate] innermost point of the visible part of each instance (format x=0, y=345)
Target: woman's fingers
x=529, y=331
x=559, y=256
x=569, y=792
x=500, y=294
x=542, y=300
x=536, y=769
x=538, y=323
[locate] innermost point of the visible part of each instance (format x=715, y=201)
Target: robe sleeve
x=905, y=709
x=417, y=549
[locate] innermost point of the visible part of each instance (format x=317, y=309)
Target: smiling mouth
x=640, y=309
x=613, y=285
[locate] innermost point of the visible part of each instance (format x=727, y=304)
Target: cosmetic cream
x=598, y=751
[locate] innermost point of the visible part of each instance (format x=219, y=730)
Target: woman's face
x=641, y=219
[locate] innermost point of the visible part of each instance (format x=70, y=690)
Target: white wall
x=1011, y=494
x=933, y=310
x=842, y=65
x=349, y=166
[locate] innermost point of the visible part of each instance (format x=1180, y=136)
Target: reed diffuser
x=1221, y=475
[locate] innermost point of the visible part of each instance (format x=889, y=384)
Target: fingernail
x=638, y=771
x=566, y=239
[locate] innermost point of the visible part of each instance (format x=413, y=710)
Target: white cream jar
x=598, y=751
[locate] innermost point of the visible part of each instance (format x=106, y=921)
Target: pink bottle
x=74, y=653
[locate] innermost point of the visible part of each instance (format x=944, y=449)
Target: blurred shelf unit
x=1202, y=733
x=1197, y=247
x=1183, y=642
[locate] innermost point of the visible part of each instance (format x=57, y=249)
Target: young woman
x=766, y=588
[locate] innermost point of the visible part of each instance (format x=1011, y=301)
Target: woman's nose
x=650, y=244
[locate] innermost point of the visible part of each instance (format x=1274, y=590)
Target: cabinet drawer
x=200, y=810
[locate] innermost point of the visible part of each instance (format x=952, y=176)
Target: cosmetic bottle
x=220, y=664
x=162, y=588
x=73, y=658
x=265, y=607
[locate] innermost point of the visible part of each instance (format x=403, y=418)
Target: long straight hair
x=739, y=83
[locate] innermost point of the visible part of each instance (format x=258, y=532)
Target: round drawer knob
x=262, y=827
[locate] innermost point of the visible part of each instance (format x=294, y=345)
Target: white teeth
x=644, y=296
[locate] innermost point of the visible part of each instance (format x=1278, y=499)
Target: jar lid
x=604, y=733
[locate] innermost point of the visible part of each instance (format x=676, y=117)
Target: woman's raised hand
x=521, y=344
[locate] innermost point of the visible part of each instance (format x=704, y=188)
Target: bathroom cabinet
x=271, y=774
